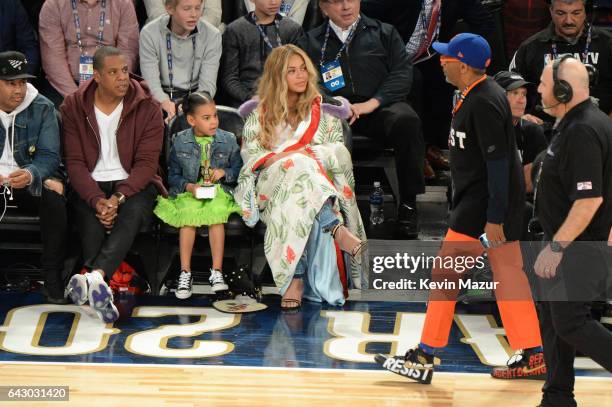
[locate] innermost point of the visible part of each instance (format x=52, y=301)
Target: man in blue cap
x=488, y=200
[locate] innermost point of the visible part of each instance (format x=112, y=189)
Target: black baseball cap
x=510, y=80
x=14, y=65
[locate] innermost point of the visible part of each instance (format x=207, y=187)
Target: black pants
x=51, y=208
x=104, y=249
x=432, y=98
x=401, y=129
x=567, y=326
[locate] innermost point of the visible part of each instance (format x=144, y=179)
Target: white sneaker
x=78, y=289
x=216, y=281
x=101, y=298
x=185, y=282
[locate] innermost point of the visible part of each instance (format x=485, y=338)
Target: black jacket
x=16, y=33
x=374, y=65
x=245, y=52
x=529, y=60
x=403, y=14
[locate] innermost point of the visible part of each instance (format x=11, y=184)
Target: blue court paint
x=317, y=337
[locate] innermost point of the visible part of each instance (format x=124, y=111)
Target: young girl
x=188, y=160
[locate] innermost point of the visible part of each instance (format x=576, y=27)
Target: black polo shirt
x=536, y=51
x=482, y=130
x=577, y=165
x=530, y=140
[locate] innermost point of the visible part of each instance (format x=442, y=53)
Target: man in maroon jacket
x=112, y=138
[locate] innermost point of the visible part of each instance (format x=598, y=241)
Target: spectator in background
x=16, y=33
x=530, y=139
x=294, y=9
x=376, y=80
x=30, y=161
x=420, y=23
x=247, y=42
x=112, y=137
x=33, y=7
x=212, y=10
x=70, y=33
x=569, y=32
x=521, y=21
x=180, y=54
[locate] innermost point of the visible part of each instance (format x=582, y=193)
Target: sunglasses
x=444, y=58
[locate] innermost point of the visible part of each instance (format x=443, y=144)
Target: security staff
x=569, y=32
x=573, y=203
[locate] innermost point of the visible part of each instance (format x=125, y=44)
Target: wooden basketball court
x=124, y=385
x=162, y=352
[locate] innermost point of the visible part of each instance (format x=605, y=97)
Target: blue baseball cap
x=471, y=49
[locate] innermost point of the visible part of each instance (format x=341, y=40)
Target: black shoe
x=415, y=365
x=408, y=221
x=54, y=291
x=527, y=364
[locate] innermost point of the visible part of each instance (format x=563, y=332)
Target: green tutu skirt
x=185, y=210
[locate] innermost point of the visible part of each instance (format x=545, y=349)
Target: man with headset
x=574, y=205
x=569, y=32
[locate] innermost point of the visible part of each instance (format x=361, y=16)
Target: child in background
x=187, y=167
x=247, y=42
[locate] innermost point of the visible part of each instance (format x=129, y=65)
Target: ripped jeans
x=318, y=264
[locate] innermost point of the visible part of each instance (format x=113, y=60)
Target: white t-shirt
x=108, y=167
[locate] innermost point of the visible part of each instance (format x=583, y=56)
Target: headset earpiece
x=562, y=90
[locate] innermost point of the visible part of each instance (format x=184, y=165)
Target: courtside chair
x=369, y=153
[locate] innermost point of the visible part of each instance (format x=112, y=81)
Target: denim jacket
x=37, y=142
x=186, y=158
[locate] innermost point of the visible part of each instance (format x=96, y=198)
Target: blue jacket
x=186, y=157
x=36, y=142
x=16, y=33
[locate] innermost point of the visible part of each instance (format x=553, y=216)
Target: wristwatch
x=120, y=197
x=556, y=247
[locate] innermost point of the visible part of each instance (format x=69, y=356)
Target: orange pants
x=513, y=295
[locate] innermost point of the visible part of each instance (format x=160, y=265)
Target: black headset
x=562, y=90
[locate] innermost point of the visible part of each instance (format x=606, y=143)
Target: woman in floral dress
x=298, y=179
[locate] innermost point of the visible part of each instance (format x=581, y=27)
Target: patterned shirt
x=420, y=40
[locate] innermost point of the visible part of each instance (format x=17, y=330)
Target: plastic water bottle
x=377, y=215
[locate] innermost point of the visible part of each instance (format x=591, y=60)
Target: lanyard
x=265, y=36
x=77, y=24
x=464, y=94
x=170, y=65
x=344, y=46
x=585, y=54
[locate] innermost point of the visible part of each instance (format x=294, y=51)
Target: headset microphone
x=545, y=108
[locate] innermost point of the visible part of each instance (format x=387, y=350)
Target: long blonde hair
x=272, y=92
